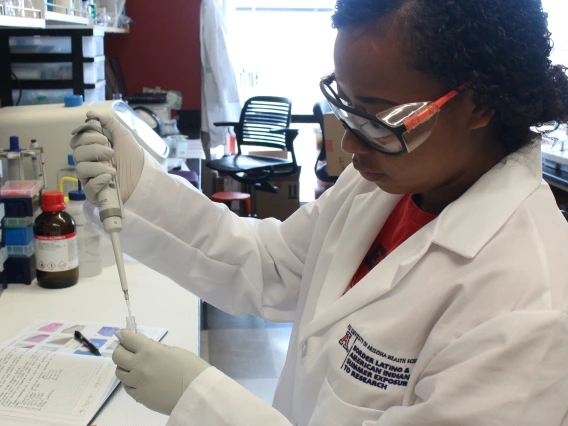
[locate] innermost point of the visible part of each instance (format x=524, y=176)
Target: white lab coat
x=463, y=324
x=219, y=92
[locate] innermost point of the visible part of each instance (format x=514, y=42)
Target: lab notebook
x=48, y=378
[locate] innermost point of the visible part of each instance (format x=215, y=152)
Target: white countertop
x=156, y=301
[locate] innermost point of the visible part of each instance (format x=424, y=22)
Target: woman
x=429, y=286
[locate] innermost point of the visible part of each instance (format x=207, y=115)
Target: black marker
x=92, y=348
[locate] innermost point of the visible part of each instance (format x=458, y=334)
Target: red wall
x=162, y=48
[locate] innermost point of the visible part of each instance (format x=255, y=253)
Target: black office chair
x=320, y=168
x=264, y=123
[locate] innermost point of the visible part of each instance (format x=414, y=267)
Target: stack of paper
x=48, y=378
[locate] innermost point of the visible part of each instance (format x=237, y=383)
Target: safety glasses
x=394, y=131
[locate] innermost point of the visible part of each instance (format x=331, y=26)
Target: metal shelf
x=19, y=22
x=56, y=18
x=56, y=84
x=114, y=30
x=46, y=57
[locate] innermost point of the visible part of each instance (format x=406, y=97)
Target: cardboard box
x=337, y=159
x=283, y=204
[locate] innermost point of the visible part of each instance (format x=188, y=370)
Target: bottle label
x=56, y=254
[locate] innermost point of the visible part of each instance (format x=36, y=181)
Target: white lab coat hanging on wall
x=219, y=92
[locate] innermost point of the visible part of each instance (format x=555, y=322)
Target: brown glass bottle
x=55, y=235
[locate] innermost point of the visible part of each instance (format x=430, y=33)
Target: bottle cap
x=73, y=101
x=77, y=196
x=70, y=160
x=52, y=202
x=14, y=144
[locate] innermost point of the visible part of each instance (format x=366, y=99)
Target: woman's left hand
x=154, y=374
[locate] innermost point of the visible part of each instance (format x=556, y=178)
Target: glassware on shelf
x=31, y=10
x=9, y=9
x=103, y=17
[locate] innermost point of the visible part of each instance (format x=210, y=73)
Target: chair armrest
x=286, y=131
x=225, y=124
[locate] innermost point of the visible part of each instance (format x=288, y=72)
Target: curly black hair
x=501, y=46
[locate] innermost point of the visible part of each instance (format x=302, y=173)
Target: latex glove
x=89, y=148
x=154, y=374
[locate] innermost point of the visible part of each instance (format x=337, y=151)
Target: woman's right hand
x=91, y=154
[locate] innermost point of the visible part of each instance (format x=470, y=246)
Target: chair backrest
x=261, y=114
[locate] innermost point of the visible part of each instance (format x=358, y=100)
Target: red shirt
x=405, y=220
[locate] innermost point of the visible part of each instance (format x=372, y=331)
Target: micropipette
x=111, y=212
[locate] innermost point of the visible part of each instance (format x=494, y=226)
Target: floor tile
x=242, y=353
x=215, y=319
x=279, y=339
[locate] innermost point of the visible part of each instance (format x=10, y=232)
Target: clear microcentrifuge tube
x=131, y=324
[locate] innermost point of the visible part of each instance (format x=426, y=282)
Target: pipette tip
x=131, y=324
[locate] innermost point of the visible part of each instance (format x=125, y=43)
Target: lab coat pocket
x=332, y=411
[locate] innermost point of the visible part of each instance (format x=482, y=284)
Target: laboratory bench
x=156, y=301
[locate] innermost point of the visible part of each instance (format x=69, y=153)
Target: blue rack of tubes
x=3, y=250
x=21, y=201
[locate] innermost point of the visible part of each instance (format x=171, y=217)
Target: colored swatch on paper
x=25, y=346
x=98, y=343
x=83, y=353
x=73, y=329
x=108, y=331
x=54, y=326
x=112, y=346
x=61, y=341
x=48, y=348
x=37, y=338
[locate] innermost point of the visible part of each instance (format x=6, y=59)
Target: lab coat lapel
x=385, y=276
x=366, y=217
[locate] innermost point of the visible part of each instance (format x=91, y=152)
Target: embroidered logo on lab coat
x=372, y=366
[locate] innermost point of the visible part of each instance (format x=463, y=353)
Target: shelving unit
x=56, y=18
x=56, y=84
x=17, y=17
x=46, y=77
x=9, y=21
x=19, y=22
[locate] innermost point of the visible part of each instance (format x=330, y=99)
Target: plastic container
x=25, y=251
x=22, y=188
x=93, y=46
x=18, y=222
x=93, y=72
x=68, y=185
x=40, y=44
x=20, y=269
x=41, y=97
x=19, y=236
x=57, y=260
x=97, y=94
x=43, y=71
x=3, y=256
x=88, y=237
